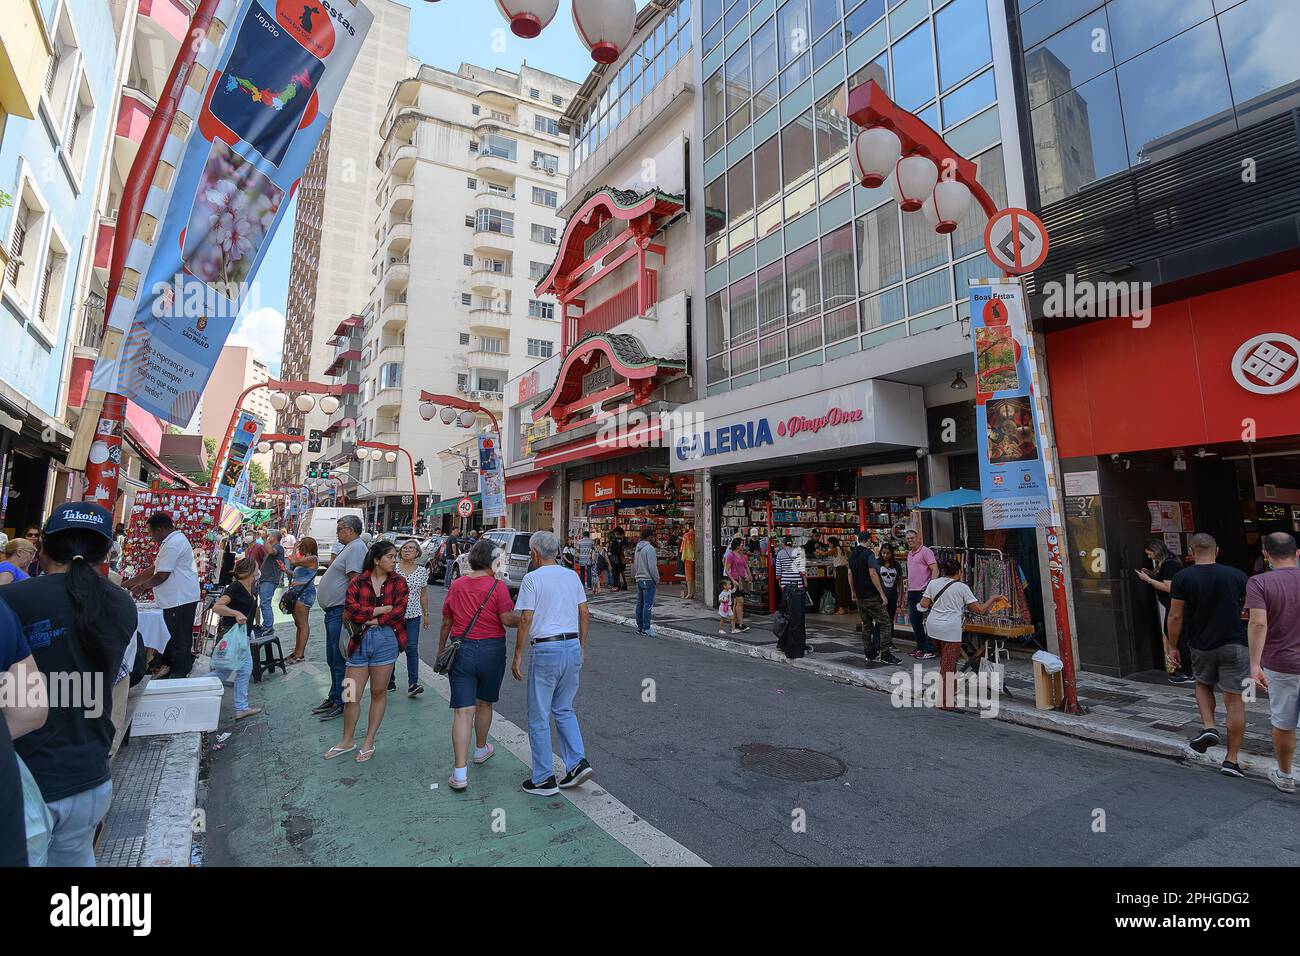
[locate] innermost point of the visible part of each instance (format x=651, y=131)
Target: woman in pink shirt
x=736, y=566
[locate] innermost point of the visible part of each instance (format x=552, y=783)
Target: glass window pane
x=835, y=179
x=1044, y=19
x=768, y=219
x=765, y=54
x=961, y=31
x=803, y=284
x=824, y=15
x=735, y=13
x=715, y=205
x=1078, y=137
x=1069, y=59
x=883, y=309
x=877, y=69
x=715, y=141
x=741, y=236
x=838, y=285
x=978, y=267
x=765, y=98
x=841, y=324
x=795, y=74
x=740, y=190
x=713, y=100
x=792, y=25
x=913, y=58
x=711, y=39
x=1259, y=43
x=717, y=368
x=861, y=19
x=827, y=47
x=1162, y=118
x=797, y=149
x=715, y=321
x=990, y=174
x=832, y=131
x=767, y=171
x=880, y=256
x=710, y=10
x=738, y=121
x=737, y=73
x=799, y=201
x=771, y=297
x=1138, y=25
x=744, y=359
x=968, y=99
x=805, y=336
x=929, y=292
x=923, y=247
x=744, y=309
x=772, y=348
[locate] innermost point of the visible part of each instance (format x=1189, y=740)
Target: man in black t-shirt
x=1205, y=609
x=869, y=592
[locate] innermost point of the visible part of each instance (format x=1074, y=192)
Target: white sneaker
x=1284, y=782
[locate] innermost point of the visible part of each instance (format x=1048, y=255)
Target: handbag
x=290, y=597
x=231, y=649
x=925, y=614
x=448, y=656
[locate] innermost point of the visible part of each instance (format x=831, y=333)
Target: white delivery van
x=322, y=524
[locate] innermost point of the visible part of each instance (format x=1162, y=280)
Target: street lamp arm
x=454, y=401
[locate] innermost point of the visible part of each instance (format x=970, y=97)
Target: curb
x=169, y=834
x=1255, y=765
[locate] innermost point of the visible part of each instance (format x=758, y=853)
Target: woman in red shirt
x=481, y=661
x=376, y=605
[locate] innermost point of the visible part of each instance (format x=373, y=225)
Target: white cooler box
x=178, y=706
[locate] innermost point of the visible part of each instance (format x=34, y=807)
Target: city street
x=917, y=787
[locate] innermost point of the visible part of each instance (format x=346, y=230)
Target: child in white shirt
x=724, y=605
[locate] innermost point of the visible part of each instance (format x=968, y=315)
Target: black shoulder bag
x=448, y=656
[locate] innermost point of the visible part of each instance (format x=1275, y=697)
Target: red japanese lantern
x=913, y=181
x=605, y=26
x=528, y=18
x=874, y=155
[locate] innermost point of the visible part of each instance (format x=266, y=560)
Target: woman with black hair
x=76, y=623
x=375, y=605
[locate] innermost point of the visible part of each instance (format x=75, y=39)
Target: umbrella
x=958, y=498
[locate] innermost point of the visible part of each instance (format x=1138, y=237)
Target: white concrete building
x=473, y=168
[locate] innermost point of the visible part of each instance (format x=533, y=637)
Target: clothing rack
x=988, y=571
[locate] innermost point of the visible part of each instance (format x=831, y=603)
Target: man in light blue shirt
x=553, y=621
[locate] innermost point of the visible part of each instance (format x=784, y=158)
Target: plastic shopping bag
x=36, y=816
x=1051, y=663
x=231, y=649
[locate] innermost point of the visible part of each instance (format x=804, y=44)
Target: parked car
x=512, y=557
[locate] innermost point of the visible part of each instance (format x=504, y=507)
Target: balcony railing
x=617, y=309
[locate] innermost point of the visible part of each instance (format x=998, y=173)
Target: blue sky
x=445, y=34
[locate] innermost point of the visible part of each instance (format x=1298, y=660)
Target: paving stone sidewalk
x=1156, y=717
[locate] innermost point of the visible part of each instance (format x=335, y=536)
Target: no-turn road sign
x=1016, y=240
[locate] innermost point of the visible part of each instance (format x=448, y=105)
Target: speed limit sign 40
x=465, y=507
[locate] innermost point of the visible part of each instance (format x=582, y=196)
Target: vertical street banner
x=242, y=444
x=1012, y=475
x=252, y=112
x=492, y=481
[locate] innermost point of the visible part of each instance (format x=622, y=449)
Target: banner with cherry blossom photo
x=278, y=70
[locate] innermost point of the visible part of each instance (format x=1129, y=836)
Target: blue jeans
x=645, y=602
x=333, y=656
x=923, y=642
x=553, y=670
x=75, y=819
x=413, y=650
x=266, y=594
x=241, y=677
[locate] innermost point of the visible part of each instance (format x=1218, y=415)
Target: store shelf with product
x=668, y=521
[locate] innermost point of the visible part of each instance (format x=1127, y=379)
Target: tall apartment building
x=237, y=368
x=473, y=169
x=330, y=275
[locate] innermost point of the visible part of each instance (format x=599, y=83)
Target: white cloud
x=262, y=330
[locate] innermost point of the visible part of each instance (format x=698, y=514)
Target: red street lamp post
x=375, y=450
x=927, y=175
x=328, y=400
x=467, y=418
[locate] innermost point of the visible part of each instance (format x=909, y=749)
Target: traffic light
x=311, y=470
x=314, y=439
x=419, y=467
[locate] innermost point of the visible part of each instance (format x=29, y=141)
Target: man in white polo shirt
x=175, y=584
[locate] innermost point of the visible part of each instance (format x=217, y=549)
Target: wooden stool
x=274, y=656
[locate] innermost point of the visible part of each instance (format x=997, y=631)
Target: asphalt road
x=918, y=786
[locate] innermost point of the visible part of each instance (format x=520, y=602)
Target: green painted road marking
x=295, y=808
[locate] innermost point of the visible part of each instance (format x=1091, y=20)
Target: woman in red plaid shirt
x=376, y=602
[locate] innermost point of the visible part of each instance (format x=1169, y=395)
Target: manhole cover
x=790, y=763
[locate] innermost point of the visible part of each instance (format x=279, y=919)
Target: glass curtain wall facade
x=652, y=60
x=802, y=265
x=1114, y=85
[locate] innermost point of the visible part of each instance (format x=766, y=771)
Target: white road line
x=652, y=845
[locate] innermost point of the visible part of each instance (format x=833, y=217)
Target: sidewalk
x=1155, y=718
x=272, y=800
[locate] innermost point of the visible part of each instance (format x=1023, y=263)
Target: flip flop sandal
x=339, y=751
x=363, y=756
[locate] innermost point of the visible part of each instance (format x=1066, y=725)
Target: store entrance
x=821, y=511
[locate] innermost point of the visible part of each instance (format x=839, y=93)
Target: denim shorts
x=477, y=672
x=378, y=648
x=308, y=595
x=1284, y=699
